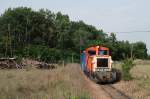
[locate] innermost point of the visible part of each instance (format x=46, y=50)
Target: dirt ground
x=96, y=92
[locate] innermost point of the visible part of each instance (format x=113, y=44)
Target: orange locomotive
x=97, y=64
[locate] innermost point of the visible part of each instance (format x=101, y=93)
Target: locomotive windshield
x=102, y=62
x=91, y=52
x=103, y=52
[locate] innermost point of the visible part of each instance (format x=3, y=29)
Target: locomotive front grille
x=102, y=62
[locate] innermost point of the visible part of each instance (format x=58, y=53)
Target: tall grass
x=61, y=83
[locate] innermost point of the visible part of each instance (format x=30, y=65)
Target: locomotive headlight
x=93, y=62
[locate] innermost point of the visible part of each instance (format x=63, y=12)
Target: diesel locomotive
x=96, y=63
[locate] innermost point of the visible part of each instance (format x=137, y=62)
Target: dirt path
x=114, y=93
x=98, y=91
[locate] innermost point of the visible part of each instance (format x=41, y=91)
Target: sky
x=129, y=19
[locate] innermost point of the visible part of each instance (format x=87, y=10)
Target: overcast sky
x=120, y=16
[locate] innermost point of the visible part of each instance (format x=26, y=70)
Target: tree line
x=46, y=35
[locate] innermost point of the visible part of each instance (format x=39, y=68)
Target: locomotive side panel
x=83, y=61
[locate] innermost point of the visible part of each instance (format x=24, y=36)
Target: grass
x=67, y=83
x=61, y=83
x=141, y=73
x=139, y=86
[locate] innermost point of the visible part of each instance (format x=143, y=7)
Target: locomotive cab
x=103, y=61
x=99, y=59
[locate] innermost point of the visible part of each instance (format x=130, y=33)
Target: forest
x=48, y=36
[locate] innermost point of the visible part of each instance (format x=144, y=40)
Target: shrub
x=51, y=55
x=126, y=67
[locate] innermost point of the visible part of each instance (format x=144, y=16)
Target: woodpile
x=11, y=63
x=38, y=64
x=46, y=66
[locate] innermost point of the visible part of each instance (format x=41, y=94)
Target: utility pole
x=72, y=58
x=63, y=61
x=9, y=38
x=131, y=51
x=27, y=38
x=6, y=45
x=80, y=43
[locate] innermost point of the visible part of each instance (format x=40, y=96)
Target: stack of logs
x=11, y=63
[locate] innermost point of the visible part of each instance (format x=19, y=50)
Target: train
x=96, y=63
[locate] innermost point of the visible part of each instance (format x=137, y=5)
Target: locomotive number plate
x=102, y=69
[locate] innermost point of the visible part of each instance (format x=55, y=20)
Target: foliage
x=126, y=67
x=46, y=35
x=148, y=57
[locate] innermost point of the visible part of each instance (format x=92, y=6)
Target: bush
x=51, y=55
x=126, y=67
x=43, y=53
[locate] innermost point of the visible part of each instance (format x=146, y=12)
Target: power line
x=148, y=31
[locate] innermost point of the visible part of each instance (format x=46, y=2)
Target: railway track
x=114, y=93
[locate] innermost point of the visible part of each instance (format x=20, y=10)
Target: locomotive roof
x=95, y=47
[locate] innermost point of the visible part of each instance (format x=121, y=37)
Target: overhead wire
x=148, y=31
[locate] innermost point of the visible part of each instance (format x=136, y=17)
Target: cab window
x=90, y=52
x=103, y=52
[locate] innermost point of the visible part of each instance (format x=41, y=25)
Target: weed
x=126, y=67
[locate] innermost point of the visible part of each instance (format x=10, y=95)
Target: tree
x=31, y=31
